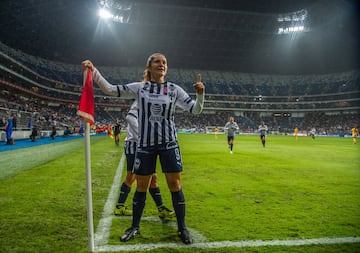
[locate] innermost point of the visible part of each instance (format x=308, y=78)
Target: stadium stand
x=44, y=91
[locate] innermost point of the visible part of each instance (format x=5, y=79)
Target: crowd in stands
x=49, y=94
x=69, y=77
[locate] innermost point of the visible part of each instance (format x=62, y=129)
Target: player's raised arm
x=104, y=85
x=200, y=94
x=199, y=86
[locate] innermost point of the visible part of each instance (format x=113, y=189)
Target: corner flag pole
x=89, y=187
x=86, y=110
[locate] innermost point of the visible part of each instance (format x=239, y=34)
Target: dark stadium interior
x=201, y=34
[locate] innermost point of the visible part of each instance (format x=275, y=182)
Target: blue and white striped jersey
x=156, y=104
x=132, y=124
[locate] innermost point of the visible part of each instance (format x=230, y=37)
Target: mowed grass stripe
x=18, y=160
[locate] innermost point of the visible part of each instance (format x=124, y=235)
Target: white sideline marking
x=223, y=244
x=103, y=231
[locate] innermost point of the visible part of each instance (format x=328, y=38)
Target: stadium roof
x=202, y=34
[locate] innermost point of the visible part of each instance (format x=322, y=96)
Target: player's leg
x=138, y=207
x=231, y=143
x=164, y=212
x=116, y=139
x=120, y=208
x=264, y=140
x=171, y=164
x=262, y=137
x=144, y=167
x=178, y=199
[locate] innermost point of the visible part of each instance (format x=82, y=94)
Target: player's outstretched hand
x=199, y=86
x=87, y=64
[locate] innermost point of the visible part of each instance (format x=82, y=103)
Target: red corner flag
x=86, y=106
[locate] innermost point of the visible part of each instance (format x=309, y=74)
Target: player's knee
x=174, y=185
x=130, y=178
x=154, y=181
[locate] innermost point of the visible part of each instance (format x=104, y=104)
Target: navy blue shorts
x=169, y=155
x=130, y=149
x=230, y=138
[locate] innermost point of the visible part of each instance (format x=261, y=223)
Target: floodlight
x=115, y=10
x=103, y=13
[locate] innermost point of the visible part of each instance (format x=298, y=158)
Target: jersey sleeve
x=185, y=102
x=124, y=91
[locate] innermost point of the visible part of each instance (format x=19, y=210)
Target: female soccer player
x=354, y=134
x=157, y=100
x=131, y=140
x=117, y=131
x=230, y=127
x=263, y=130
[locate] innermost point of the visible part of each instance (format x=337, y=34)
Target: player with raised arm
x=157, y=100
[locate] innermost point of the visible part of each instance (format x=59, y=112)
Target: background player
x=230, y=127
x=312, y=133
x=117, y=131
x=263, y=130
x=296, y=133
x=354, y=133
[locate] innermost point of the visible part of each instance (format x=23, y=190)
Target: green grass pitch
x=290, y=190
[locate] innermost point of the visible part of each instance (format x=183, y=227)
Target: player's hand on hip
x=199, y=86
x=87, y=64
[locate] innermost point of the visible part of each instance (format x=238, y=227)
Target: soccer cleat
x=165, y=213
x=121, y=210
x=231, y=152
x=185, y=236
x=129, y=234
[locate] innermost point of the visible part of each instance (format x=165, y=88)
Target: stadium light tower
x=115, y=10
x=293, y=22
